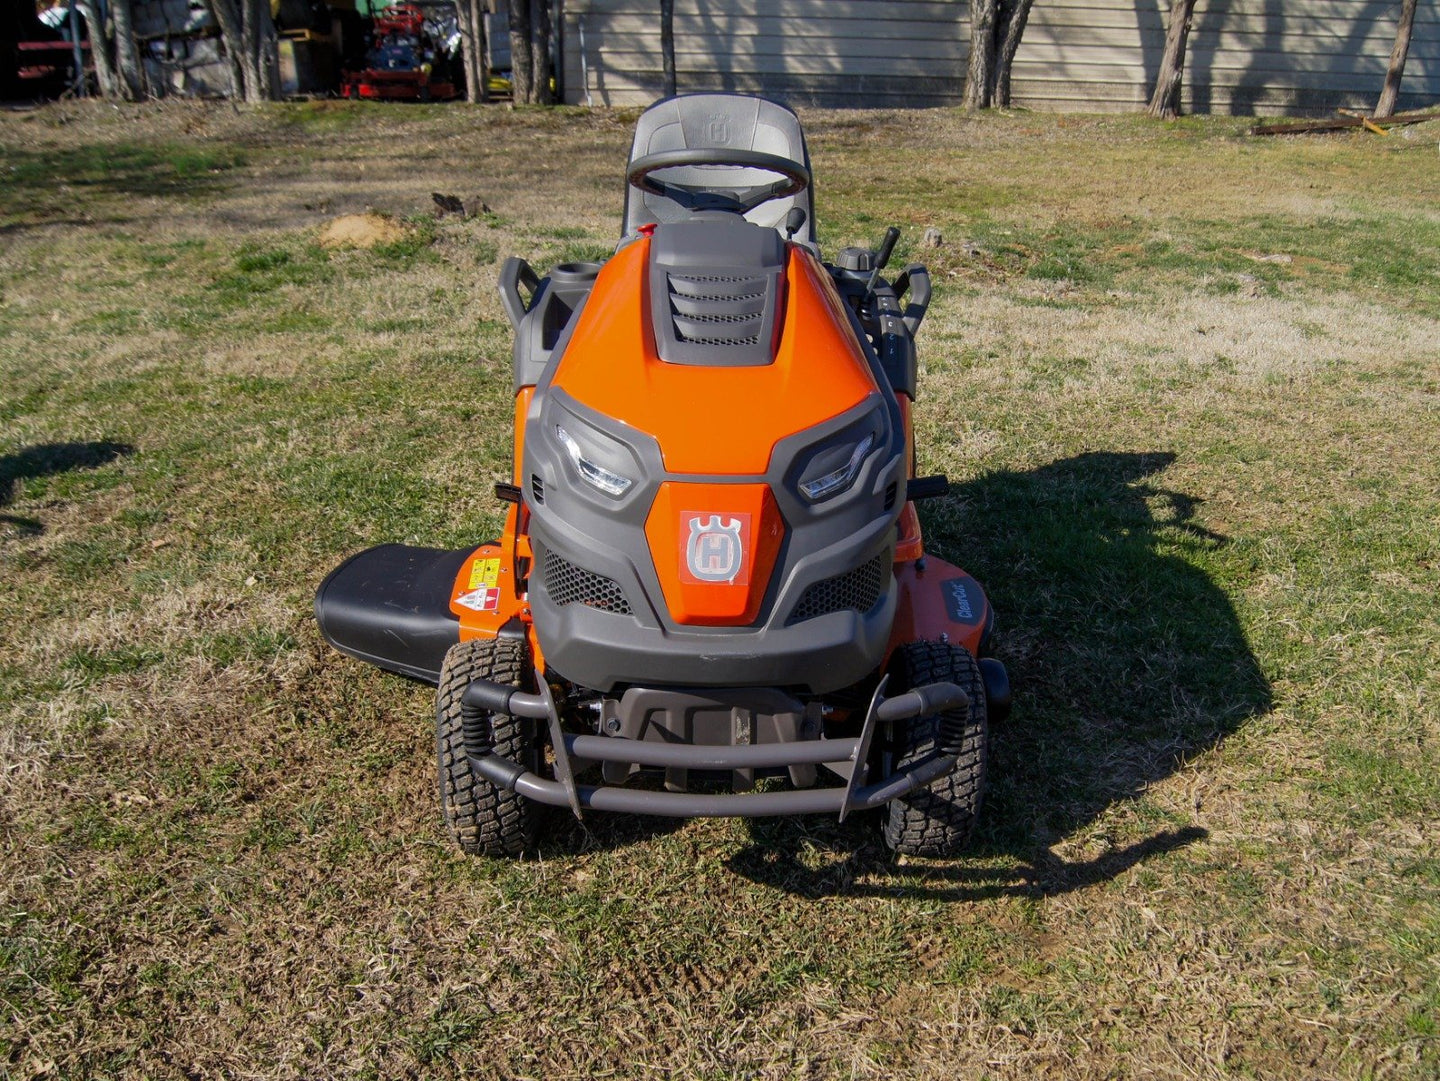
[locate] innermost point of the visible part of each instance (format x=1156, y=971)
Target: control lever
x=887, y=246
x=794, y=221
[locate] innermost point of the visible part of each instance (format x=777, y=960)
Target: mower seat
x=718, y=121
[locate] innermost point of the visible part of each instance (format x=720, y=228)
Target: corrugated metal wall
x=1245, y=56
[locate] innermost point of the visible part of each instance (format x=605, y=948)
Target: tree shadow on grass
x=47, y=459
x=1126, y=660
x=97, y=182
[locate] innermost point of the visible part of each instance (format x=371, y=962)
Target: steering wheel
x=794, y=177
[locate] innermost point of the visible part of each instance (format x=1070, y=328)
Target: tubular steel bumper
x=847, y=757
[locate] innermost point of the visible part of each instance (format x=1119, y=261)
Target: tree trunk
x=981, y=75
x=99, y=49
x=1386, y=105
x=467, y=46
x=667, y=44
x=267, y=51
x=1165, y=101
x=228, y=20
x=469, y=57
x=127, y=57
x=521, y=86
x=540, y=66
x=249, y=39
x=1012, y=27
x=482, y=46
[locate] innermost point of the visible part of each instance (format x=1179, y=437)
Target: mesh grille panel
x=569, y=584
x=717, y=310
x=856, y=590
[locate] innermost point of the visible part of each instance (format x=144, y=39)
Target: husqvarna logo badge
x=714, y=550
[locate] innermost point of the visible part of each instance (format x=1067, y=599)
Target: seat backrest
x=718, y=121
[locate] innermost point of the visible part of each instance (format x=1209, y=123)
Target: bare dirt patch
x=360, y=231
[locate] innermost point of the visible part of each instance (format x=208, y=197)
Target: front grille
x=569, y=584
x=857, y=590
x=717, y=309
x=537, y=488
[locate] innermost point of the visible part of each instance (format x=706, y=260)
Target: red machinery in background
x=405, y=62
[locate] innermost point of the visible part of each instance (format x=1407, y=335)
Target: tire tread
x=937, y=821
x=483, y=819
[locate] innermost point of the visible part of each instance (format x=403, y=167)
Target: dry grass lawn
x=1186, y=384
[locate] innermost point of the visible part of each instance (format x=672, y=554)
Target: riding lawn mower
x=711, y=596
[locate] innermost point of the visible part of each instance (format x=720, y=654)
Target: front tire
x=937, y=821
x=484, y=820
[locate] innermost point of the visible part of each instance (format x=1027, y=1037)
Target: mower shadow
x=1126, y=660
x=47, y=459
x=565, y=837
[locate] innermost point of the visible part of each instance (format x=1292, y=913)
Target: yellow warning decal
x=484, y=573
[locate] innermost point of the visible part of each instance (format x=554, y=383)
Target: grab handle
x=515, y=273
x=916, y=279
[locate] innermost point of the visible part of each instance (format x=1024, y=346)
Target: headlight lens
x=838, y=480
x=592, y=473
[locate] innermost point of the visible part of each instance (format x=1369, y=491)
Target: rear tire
x=483, y=819
x=937, y=821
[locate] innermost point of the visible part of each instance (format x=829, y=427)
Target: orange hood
x=714, y=420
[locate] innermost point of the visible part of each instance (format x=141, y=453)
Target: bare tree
x=474, y=50
x=99, y=52
x=996, y=27
x=541, y=91
x=667, y=44
x=1386, y=105
x=112, y=45
x=267, y=50
x=530, y=67
x=251, y=45
x=127, y=57
x=1165, y=101
x=521, y=86
x=982, y=54
x=1013, y=17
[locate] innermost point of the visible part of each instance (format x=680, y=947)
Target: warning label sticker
x=484, y=599
x=485, y=572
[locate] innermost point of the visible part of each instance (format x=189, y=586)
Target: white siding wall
x=1245, y=56
x=823, y=52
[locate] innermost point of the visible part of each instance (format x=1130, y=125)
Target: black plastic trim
x=390, y=606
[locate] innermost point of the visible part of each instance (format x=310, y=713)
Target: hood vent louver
x=717, y=310
x=716, y=292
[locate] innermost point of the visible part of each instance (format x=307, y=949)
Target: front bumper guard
x=847, y=757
